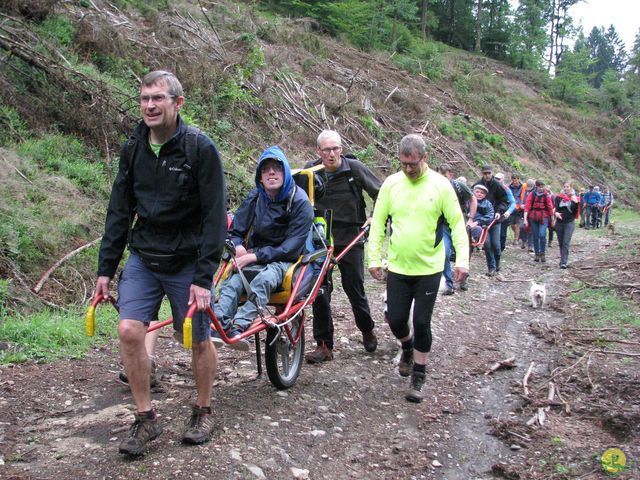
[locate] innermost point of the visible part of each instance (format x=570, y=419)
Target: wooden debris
x=525, y=380
x=48, y=273
x=506, y=363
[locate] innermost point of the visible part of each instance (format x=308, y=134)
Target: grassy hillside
x=68, y=88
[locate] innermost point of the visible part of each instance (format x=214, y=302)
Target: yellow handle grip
x=186, y=333
x=91, y=321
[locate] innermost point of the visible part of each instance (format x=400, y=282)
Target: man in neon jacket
x=416, y=200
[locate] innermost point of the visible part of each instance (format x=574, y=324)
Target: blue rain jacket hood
x=275, y=153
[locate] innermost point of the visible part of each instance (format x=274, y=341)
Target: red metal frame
x=282, y=314
x=483, y=235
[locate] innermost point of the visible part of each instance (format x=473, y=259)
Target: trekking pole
x=90, y=318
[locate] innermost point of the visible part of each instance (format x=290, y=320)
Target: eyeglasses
x=155, y=99
x=410, y=165
x=329, y=150
x=276, y=167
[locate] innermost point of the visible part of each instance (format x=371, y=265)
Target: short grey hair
x=327, y=134
x=159, y=76
x=411, y=144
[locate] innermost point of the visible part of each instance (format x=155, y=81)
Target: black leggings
x=402, y=290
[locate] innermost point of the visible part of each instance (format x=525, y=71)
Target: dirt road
x=346, y=418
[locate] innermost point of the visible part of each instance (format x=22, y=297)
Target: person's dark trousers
x=598, y=217
x=352, y=272
x=587, y=216
x=492, y=247
x=593, y=217
x=402, y=291
x=606, y=217
x=504, y=229
x=565, y=232
x=551, y=230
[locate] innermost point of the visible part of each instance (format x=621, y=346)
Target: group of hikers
x=168, y=205
x=532, y=211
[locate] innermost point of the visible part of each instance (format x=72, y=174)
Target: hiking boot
x=415, y=394
x=199, y=426
x=241, y=345
x=536, y=258
x=448, y=291
x=491, y=273
x=406, y=363
x=154, y=379
x=464, y=286
x=542, y=258
x=370, y=341
x=143, y=430
x=320, y=354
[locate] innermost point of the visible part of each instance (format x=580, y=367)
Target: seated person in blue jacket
x=269, y=229
x=484, y=212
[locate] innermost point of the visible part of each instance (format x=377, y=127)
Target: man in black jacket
x=171, y=212
x=498, y=197
x=345, y=178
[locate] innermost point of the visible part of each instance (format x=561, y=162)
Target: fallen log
x=48, y=273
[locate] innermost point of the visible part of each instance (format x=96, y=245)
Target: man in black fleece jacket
x=344, y=178
x=171, y=212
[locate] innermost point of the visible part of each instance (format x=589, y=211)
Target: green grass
x=604, y=307
x=66, y=155
x=49, y=335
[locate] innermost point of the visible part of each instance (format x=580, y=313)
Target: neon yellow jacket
x=415, y=207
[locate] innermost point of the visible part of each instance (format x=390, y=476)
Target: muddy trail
x=348, y=418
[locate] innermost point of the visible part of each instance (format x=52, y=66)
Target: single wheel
x=282, y=358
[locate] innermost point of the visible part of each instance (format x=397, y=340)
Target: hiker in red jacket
x=538, y=212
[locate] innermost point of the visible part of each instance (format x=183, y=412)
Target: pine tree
x=634, y=59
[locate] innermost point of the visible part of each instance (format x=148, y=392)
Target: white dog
x=396, y=359
x=538, y=294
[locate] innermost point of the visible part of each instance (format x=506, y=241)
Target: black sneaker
x=415, y=394
x=142, y=431
x=154, y=378
x=199, y=426
x=491, y=273
x=406, y=363
x=370, y=341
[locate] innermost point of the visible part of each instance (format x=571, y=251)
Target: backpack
x=538, y=207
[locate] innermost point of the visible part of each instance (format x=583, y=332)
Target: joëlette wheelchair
x=283, y=318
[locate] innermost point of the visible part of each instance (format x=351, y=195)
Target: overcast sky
x=623, y=14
